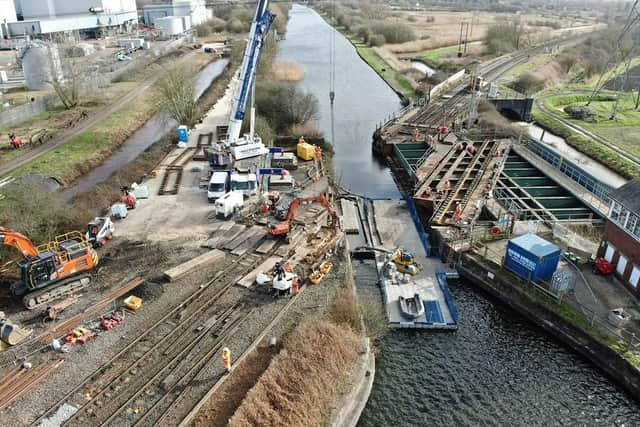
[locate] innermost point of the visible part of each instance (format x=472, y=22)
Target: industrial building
x=621, y=238
x=196, y=10
x=40, y=17
x=7, y=14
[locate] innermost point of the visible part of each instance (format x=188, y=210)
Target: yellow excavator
x=402, y=258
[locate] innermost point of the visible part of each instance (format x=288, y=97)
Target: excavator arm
x=20, y=242
x=283, y=228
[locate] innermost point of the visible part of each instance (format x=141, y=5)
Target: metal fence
x=626, y=337
x=570, y=169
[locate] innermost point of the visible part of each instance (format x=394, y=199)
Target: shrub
x=394, y=32
x=528, y=84
x=287, y=71
x=503, y=37
x=377, y=40
x=235, y=26
x=217, y=25
x=285, y=105
x=203, y=30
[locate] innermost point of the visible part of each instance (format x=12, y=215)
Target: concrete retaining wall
x=13, y=116
x=600, y=355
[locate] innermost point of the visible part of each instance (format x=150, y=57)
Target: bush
x=217, y=25
x=284, y=104
x=377, y=40
x=235, y=26
x=203, y=30
x=503, y=37
x=394, y=32
x=528, y=84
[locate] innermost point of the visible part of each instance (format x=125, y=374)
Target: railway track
x=173, y=173
x=162, y=358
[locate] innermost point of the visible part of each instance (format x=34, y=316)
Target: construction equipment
x=282, y=228
x=127, y=198
x=250, y=145
x=403, y=259
x=99, y=230
x=15, y=141
x=50, y=271
x=283, y=280
x=305, y=150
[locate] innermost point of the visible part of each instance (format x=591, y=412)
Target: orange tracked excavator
x=52, y=270
x=282, y=228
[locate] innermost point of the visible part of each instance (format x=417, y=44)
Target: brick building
x=621, y=238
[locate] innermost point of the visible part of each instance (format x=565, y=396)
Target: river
x=156, y=128
x=496, y=369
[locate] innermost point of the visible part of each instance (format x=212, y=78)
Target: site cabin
x=229, y=204
x=281, y=182
x=218, y=185
x=246, y=183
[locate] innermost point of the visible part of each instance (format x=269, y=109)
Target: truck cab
x=218, y=185
x=247, y=183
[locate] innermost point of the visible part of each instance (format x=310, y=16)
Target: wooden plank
x=221, y=228
x=296, y=238
x=203, y=260
x=248, y=280
x=266, y=246
x=230, y=235
x=241, y=238
x=349, y=219
x=250, y=242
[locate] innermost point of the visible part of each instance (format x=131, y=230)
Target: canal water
x=156, y=128
x=496, y=370
x=362, y=100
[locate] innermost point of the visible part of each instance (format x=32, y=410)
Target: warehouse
x=38, y=17
x=195, y=9
x=621, y=239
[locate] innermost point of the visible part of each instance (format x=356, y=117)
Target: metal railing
x=571, y=170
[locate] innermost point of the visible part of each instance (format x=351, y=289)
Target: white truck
x=218, y=185
x=229, y=204
x=247, y=183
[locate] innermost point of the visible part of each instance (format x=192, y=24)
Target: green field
x=435, y=55
x=623, y=131
x=79, y=154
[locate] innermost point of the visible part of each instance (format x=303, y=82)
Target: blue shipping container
x=183, y=134
x=532, y=257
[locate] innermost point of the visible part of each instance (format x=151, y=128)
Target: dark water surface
x=362, y=100
x=496, y=370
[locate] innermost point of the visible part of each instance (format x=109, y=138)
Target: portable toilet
x=183, y=134
x=531, y=257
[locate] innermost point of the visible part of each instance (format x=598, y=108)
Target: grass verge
x=588, y=146
x=79, y=155
x=393, y=78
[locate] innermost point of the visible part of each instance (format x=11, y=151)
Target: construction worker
x=447, y=186
x=301, y=140
x=472, y=149
x=457, y=216
x=416, y=135
x=226, y=359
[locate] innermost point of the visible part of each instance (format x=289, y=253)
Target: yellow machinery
x=405, y=261
x=305, y=150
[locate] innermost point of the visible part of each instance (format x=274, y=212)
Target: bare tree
x=68, y=76
x=177, y=89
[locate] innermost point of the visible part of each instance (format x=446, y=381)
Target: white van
x=228, y=204
x=247, y=183
x=218, y=185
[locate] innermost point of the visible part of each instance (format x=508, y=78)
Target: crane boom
x=259, y=28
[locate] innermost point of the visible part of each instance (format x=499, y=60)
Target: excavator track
x=44, y=296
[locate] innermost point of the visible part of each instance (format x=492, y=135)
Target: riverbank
x=391, y=77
